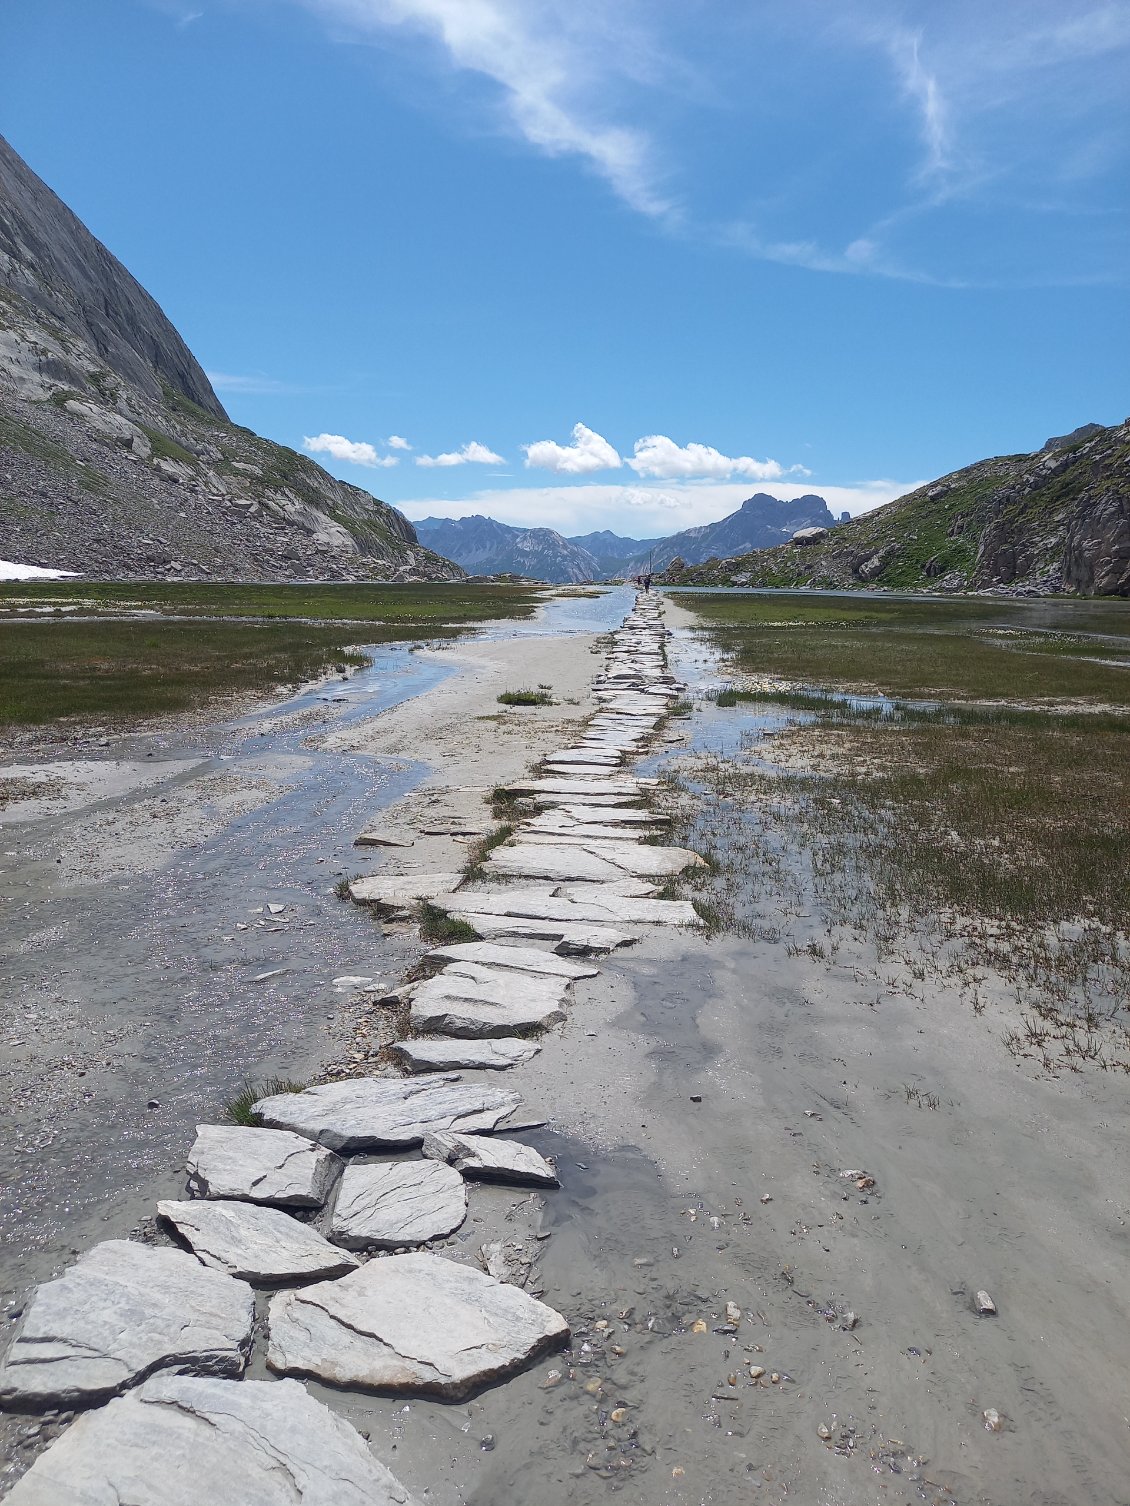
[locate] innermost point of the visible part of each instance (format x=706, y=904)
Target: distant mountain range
x=483, y=546
x=1055, y=520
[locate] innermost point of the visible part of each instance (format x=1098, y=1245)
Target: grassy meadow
x=114, y=654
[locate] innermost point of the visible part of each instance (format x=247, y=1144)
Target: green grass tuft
x=525, y=698
x=238, y=1109
x=438, y=928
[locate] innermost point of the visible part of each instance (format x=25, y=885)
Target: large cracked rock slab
x=393, y=1203
x=571, y=940
x=254, y=1244
x=536, y=861
x=473, y=1001
x=497, y=1055
x=641, y=860
x=387, y=1113
x=260, y=1166
x=489, y=1159
x=415, y=1325
x=186, y=1441
x=399, y=894
x=121, y=1312
x=619, y=784
x=526, y=959
x=611, y=909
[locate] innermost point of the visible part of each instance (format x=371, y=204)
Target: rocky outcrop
x=116, y=456
x=485, y=547
x=1057, y=519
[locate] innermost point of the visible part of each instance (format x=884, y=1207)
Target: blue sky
x=792, y=246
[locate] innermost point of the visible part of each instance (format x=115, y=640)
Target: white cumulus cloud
x=397, y=442
x=473, y=453
x=588, y=452
x=656, y=456
x=355, y=451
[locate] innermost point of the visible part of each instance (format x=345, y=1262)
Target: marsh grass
x=438, y=928
x=482, y=849
x=525, y=697
x=238, y=1108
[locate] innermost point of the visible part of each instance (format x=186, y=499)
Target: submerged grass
x=961, y=839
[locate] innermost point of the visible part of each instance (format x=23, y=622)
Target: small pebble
x=992, y=1419
x=698, y=1326
x=985, y=1305
x=824, y=1431
x=696, y=1097
x=486, y=1442
x=765, y=1198
x=154, y=1103
x=756, y=1372
x=619, y=1414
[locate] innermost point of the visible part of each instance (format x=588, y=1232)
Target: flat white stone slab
x=605, y=816
x=180, y=1440
x=641, y=860
x=414, y=1325
x=393, y=1203
x=491, y=1160
x=387, y=1113
x=254, y=1244
x=526, y=959
x=620, y=784
x=534, y=861
x=260, y=1166
x=470, y=1000
x=584, y=757
x=612, y=909
x=571, y=939
x=382, y=839
x=122, y=1311
x=399, y=893
x=421, y=1055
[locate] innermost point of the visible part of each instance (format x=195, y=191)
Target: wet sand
x=693, y=1079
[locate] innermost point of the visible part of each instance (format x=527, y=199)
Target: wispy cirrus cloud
x=472, y=453
x=352, y=451
x=588, y=452
x=555, y=64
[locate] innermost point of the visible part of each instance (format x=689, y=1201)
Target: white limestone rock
x=387, y=1113
x=571, y=939
x=416, y=1325
x=121, y=1312
x=185, y=1441
x=391, y=1203
x=260, y=1166
x=526, y=959
x=398, y=894
x=419, y=1055
x=611, y=909
x=254, y=1244
x=473, y=1001
x=489, y=1159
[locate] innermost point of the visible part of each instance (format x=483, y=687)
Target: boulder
x=385, y=1113
x=121, y=1312
x=419, y=1055
x=260, y=1166
x=390, y=1203
x=254, y=1244
x=416, y=1325
x=488, y=1159
x=184, y=1441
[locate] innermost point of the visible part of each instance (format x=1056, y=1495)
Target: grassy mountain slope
x=1054, y=520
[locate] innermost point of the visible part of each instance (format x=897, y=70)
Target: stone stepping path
x=471, y=1000
x=180, y=1440
x=415, y=1325
x=260, y=1166
x=387, y=1204
x=489, y=1159
x=386, y=1113
x=253, y=1244
x=122, y=1311
x=444, y=1055
x=411, y=1324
